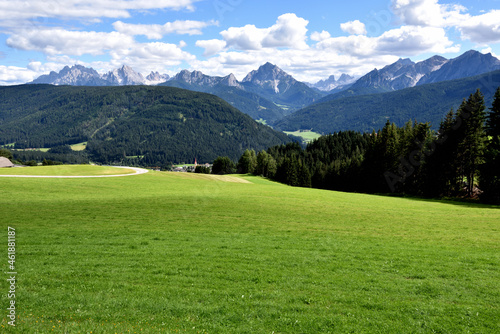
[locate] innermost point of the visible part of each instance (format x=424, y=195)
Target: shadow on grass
x=466, y=202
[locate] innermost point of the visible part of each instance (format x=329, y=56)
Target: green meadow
x=67, y=170
x=306, y=135
x=187, y=253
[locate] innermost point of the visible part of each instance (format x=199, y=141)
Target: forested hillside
x=153, y=125
x=461, y=159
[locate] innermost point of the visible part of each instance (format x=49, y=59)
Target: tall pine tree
x=490, y=170
x=473, y=139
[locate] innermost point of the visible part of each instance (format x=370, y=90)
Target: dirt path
x=137, y=172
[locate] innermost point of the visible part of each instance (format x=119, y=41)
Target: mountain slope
x=405, y=74
x=468, y=64
x=160, y=124
x=229, y=89
x=276, y=85
x=331, y=83
x=424, y=103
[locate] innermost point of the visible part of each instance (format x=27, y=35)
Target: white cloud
x=405, y=41
x=354, y=27
x=410, y=40
x=157, y=31
x=13, y=75
x=427, y=12
x=320, y=36
x=489, y=50
x=211, y=47
x=289, y=31
x=32, y=9
x=77, y=43
x=483, y=28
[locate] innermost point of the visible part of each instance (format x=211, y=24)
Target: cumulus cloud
x=13, y=75
x=212, y=46
x=320, y=36
x=427, y=12
x=354, y=27
x=289, y=31
x=481, y=29
x=409, y=40
x=157, y=31
x=59, y=45
x=21, y=9
x=405, y=41
x=77, y=43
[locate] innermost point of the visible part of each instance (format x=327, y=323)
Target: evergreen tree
x=266, y=165
x=223, y=165
x=247, y=162
x=490, y=171
x=473, y=139
x=441, y=170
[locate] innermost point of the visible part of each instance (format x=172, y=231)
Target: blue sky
x=309, y=39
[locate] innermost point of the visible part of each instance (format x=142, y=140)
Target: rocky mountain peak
x=267, y=72
x=76, y=75
x=156, y=77
x=124, y=75
x=331, y=83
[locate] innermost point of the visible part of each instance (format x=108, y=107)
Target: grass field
x=66, y=170
x=185, y=253
x=79, y=146
x=306, y=135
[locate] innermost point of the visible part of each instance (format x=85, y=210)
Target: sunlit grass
x=184, y=253
x=79, y=146
x=66, y=170
x=306, y=135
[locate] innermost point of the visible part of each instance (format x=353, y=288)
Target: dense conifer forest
x=138, y=125
x=461, y=159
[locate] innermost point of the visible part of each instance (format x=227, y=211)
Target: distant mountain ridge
x=406, y=74
x=79, y=75
x=266, y=94
x=331, y=83
x=269, y=93
x=365, y=113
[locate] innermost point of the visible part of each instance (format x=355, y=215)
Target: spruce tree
x=473, y=139
x=247, y=162
x=490, y=170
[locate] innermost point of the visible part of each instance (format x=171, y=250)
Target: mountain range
x=79, y=75
x=269, y=94
x=405, y=73
x=365, y=113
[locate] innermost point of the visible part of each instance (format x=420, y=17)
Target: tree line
x=461, y=159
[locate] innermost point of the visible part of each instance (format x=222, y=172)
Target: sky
x=309, y=39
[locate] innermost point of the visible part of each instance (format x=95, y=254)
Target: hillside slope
x=157, y=124
x=425, y=103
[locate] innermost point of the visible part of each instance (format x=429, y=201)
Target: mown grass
x=171, y=252
x=79, y=146
x=306, y=135
x=66, y=170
